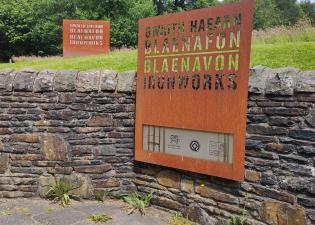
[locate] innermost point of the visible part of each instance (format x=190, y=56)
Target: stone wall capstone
x=80, y=125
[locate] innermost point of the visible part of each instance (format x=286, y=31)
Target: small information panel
x=200, y=145
x=192, y=84
x=85, y=37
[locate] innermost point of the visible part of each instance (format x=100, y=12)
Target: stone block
x=54, y=148
x=252, y=176
x=264, y=129
x=187, y=185
x=167, y=203
x=27, y=138
x=310, y=118
x=306, y=82
x=108, y=80
x=96, y=169
x=5, y=131
x=280, y=148
x=282, y=82
x=306, y=201
x=63, y=170
x=303, y=134
x=257, y=80
x=6, y=79
x=272, y=193
x=282, y=111
x=208, y=192
x=65, y=80
x=44, y=185
x=126, y=82
x=4, y=162
x=81, y=150
x=24, y=80
x=80, y=183
x=88, y=81
x=169, y=178
x=195, y=213
x=86, y=130
x=104, y=150
x=277, y=213
x=66, y=98
x=44, y=81
x=103, y=120
x=108, y=183
x=254, y=145
x=307, y=150
x=15, y=194
x=26, y=157
x=282, y=121
x=43, y=123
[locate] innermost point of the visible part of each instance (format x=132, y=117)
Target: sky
x=302, y=0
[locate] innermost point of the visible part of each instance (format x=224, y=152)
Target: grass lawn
x=291, y=54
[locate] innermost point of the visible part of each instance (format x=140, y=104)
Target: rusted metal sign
x=192, y=89
x=85, y=37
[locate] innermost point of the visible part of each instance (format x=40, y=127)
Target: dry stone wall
x=77, y=125
x=80, y=125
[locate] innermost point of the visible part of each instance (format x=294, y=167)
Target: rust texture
x=85, y=37
x=193, y=74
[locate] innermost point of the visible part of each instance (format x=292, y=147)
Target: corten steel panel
x=219, y=109
x=85, y=37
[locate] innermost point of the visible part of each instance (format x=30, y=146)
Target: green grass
x=118, y=61
x=288, y=54
x=292, y=54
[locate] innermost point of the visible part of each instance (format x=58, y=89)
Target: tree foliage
x=309, y=10
x=34, y=27
x=169, y=6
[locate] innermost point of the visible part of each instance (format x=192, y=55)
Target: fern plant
x=60, y=192
x=138, y=202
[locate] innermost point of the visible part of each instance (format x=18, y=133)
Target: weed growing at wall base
x=99, y=218
x=178, y=219
x=60, y=192
x=138, y=202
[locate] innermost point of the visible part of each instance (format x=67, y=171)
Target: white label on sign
x=194, y=144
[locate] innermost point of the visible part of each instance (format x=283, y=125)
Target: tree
x=16, y=26
x=290, y=11
x=309, y=10
x=124, y=28
x=169, y=6
x=266, y=14
x=34, y=27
